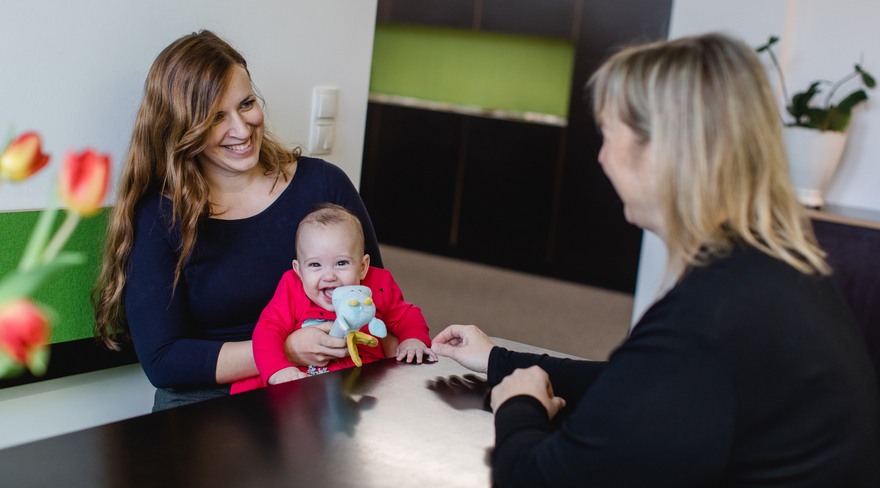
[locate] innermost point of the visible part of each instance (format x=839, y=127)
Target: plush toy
x=355, y=309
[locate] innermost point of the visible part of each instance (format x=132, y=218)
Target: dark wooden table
x=386, y=424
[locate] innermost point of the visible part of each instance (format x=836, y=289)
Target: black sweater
x=747, y=373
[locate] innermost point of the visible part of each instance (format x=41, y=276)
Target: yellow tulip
x=23, y=157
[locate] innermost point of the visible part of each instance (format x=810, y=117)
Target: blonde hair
x=708, y=110
x=328, y=214
x=185, y=84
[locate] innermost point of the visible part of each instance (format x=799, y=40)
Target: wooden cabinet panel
x=507, y=193
x=545, y=18
x=409, y=174
x=594, y=244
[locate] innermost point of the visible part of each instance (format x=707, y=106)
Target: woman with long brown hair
x=204, y=223
x=751, y=370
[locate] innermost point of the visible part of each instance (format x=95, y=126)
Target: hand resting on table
x=532, y=381
x=411, y=349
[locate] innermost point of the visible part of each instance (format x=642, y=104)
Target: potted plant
x=815, y=140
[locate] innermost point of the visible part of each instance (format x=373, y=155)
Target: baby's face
x=328, y=256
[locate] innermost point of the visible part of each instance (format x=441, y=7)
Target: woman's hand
x=466, y=344
x=532, y=381
x=312, y=346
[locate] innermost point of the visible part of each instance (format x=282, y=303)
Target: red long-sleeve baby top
x=290, y=307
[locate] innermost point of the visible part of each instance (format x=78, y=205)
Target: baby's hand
x=287, y=374
x=414, y=348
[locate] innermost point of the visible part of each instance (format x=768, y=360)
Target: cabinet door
x=408, y=181
x=507, y=193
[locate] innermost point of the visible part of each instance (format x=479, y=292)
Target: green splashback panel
x=488, y=70
x=67, y=292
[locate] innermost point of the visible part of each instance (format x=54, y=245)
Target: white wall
x=819, y=40
x=74, y=71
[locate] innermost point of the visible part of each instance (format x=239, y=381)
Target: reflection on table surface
x=386, y=424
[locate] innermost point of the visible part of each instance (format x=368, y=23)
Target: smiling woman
x=207, y=209
x=234, y=141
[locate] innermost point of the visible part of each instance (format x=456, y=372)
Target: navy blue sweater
x=748, y=373
x=231, y=275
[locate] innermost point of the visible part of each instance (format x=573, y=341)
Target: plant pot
x=813, y=157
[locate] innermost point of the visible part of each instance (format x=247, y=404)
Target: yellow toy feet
x=359, y=337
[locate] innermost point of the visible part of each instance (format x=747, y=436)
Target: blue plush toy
x=355, y=309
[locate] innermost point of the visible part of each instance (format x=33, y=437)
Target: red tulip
x=83, y=181
x=23, y=157
x=24, y=330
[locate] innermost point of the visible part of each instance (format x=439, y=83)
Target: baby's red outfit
x=290, y=307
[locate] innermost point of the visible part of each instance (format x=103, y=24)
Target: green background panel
x=489, y=70
x=67, y=293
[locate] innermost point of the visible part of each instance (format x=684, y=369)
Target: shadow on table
x=462, y=393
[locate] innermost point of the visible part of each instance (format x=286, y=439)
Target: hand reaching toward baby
x=414, y=348
x=287, y=374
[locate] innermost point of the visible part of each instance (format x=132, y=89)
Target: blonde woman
x=207, y=206
x=750, y=371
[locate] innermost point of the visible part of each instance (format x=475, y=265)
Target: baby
x=330, y=254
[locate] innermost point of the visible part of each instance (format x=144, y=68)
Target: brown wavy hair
x=707, y=108
x=185, y=84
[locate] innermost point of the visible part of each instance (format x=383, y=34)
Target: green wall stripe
x=67, y=293
x=488, y=70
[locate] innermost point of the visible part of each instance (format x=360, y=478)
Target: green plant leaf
x=40, y=235
x=800, y=101
x=868, y=80
x=852, y=100
x=838, y=119
x=818, y=118
x=773, y=40
x=23, y=283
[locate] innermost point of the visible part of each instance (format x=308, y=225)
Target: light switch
x=321, y=140
x=324, y=102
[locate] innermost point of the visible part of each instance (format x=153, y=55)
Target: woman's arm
x=235, y=361
x=473, y=349
x=661, y=413
x=570, y=377
x=159, y=315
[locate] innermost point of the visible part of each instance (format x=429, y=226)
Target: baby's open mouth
x=327, y=293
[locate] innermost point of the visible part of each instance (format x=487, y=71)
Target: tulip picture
x=24, y=331
x=83, y=181
x=23, y=157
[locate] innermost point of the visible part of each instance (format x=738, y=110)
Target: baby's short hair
x=328, y=214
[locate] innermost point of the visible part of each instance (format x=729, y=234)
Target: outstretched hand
x=466, y=344
x=312, y=346
x=532, y=381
